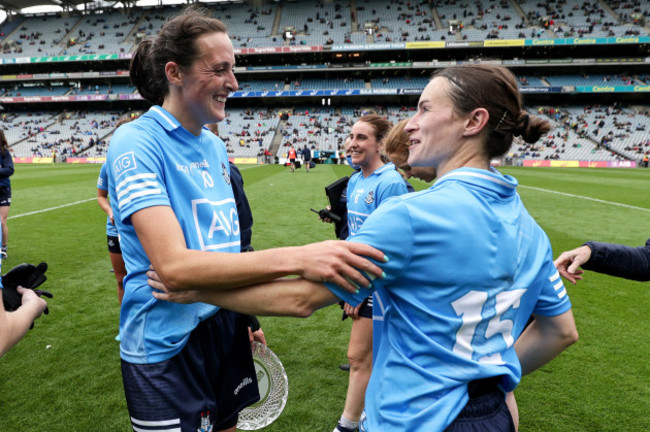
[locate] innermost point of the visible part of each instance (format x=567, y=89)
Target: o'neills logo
x=246, y=381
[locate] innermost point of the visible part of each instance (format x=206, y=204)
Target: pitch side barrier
x=579, y=164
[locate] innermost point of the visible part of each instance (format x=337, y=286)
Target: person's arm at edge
x=283, y=297
x=14, y=325
x=7, y=168
x=619, y=260
x=181, y=268
x=544, y=339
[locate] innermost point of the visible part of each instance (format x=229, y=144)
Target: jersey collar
x=492, y=179
x=164, y=118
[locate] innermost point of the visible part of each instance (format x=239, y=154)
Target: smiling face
x=205, y=85
x=364, y=147
x=435, y=131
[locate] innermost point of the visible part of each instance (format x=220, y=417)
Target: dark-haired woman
x=189, y=367
x=368, y=188
x=6, y=171
x=468, y=266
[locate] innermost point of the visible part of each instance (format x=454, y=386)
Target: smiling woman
x=170, y=191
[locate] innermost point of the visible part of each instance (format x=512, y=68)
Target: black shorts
x=114, y=244
x=485, y=411
x=292, y=161
x=206, y=384
x=365, y=311
x=5, y=196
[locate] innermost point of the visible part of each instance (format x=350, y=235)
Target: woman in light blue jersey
x=189, y=367
x=112, y=236
x=367, y=189
x=468, y=267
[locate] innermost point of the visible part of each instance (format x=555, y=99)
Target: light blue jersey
x=154, y=161
x=364, y=195
x=468, y=265
x=102, y=183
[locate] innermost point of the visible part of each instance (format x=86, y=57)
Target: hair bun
x=521, y=124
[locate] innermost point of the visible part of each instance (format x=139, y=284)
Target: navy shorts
x=5, y=196
x=206, y=384
x=365, y=311
x=113, y=243
x=486, y=412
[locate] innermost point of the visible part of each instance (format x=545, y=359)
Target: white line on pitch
x=50, y=209
x=585, y=198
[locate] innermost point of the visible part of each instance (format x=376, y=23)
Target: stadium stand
x=342, y=36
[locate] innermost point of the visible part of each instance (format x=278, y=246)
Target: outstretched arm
x=283, y=297
x=568, y=262
x=14, y=325
x=181, y=268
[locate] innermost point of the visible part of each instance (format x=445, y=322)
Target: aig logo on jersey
x=217, y=224
x=125, y=162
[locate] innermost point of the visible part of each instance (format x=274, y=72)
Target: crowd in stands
x=588, y=132
x=339, y=22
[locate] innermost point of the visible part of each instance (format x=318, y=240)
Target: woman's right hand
x=345, y=264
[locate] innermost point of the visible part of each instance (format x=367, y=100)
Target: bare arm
x=282, y=297
x=544, y=339
x=14, y=325
x=181, y=268
x=104, y=204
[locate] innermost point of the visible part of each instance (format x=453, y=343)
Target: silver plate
x=274, y=390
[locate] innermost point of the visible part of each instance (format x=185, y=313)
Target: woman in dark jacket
x=6, y=171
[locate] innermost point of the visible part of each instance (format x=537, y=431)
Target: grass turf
x=65, y=376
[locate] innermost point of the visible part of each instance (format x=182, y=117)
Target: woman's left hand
x=153, y=280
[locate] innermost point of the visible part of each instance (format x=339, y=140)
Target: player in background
x=172, y=201
x=467, y=267
x=6, y=171
x=112, y=237
x=292, y=158
x=368, y=188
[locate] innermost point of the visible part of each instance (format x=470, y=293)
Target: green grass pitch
x=65, y=374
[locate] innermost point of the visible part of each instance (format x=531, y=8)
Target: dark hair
x=4, y=145
x=495, y=89
x=378, y=123
x=175, y=42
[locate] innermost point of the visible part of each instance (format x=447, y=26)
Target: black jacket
x=620, y=260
